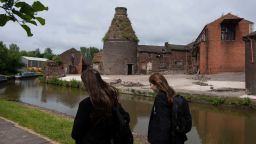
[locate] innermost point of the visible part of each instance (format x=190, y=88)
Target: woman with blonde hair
x=162, y=125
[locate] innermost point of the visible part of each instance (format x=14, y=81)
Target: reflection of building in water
x=224, y=126
x=139, y=111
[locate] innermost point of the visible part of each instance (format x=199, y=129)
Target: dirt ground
x=223, y=84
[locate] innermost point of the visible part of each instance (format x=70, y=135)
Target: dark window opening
x=228, y=31
x=178, y=63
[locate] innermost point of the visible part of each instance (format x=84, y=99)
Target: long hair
x=161, y=83
x=102, y=95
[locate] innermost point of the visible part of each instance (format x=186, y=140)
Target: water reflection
x=139, y=109
x=211, y=125
x=223, y=126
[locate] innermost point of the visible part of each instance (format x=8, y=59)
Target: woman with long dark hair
x=94, y=122
x=161, y=127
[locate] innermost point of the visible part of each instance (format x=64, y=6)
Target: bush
x=217, y=101
x=246, y=101
x=56, y=81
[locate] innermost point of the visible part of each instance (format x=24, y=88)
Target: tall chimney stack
x=121, y=11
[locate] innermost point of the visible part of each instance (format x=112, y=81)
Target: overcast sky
x=77, y=23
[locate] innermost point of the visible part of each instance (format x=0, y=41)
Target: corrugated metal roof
x=35, y=58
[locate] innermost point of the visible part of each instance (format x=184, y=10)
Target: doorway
x=129, y=69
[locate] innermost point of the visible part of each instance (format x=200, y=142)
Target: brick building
x=123, y=55
x=250, y=63
x=97, y=62
x=162, y=58
x=73, y=61
x=219, y=47
x=53, y=69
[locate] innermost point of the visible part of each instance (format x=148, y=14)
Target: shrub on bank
x=64, y=83
x=216, y=101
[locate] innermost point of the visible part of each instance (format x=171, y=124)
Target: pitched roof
x=151, y=48
x=176, y=47
x=253, y=34
x=230, y=16
x=71, y=50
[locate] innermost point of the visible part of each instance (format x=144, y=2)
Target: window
x=228, y=31
x=178, y=63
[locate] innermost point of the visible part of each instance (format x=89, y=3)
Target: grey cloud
x=85, y=22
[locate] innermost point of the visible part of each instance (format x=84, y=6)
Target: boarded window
x=228, y=31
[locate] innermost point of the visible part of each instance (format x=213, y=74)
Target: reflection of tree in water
x=12, y=91
x=219, y=125
x=68, y=96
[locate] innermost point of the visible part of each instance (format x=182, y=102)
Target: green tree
x=57, y=59
x=22, y=13
x=9, y=59
x=88, y=53
x=13, y=61
x=14, y=47
x=37, y=53
x=48, y=53
x=3, y=58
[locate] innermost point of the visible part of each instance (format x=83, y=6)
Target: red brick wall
x=202, y=60
x=223, y=56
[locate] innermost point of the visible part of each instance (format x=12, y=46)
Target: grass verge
x=54, y=126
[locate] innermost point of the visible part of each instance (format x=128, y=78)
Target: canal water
x=211, y=125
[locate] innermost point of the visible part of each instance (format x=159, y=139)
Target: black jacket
x=86, y=131
x=160, y=129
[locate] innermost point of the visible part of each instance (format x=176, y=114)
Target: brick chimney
x=121, y=11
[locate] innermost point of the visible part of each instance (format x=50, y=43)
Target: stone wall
x=117, y=55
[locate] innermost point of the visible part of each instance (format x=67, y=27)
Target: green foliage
x=121, y=28
x=56, y=81
x=217, y=101
x=74, y=83
x=246, y=101
x=9, y=59
x=57, y=59
x=89, y=52
x=14, y=47
x=22, y=13
x=48, y=53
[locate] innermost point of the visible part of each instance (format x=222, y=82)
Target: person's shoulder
x=161, y=95
x=86, y=101
x=179, y=99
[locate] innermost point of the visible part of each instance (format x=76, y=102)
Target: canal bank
x=225, y=85
x=208, y=120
